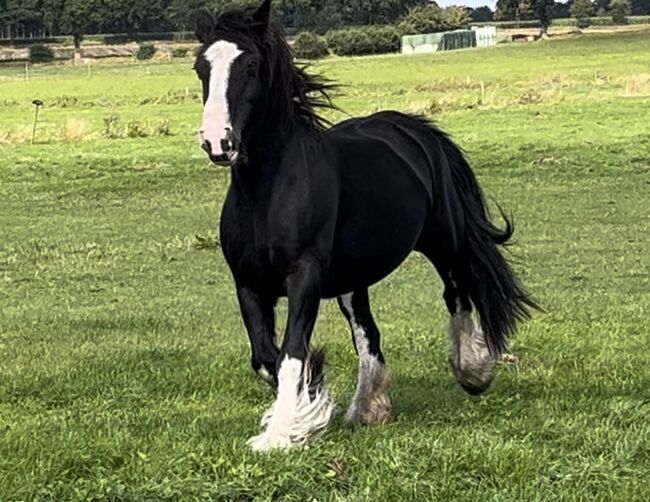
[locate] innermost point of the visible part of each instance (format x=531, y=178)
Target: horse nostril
x=207, y=147
x=225, y=145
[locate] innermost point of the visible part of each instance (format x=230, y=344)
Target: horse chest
x=262, y=242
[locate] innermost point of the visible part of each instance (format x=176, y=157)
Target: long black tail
x=492, y=285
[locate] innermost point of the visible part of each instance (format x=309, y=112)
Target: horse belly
x=378, y=225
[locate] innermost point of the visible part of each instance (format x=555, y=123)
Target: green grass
x=124, y=369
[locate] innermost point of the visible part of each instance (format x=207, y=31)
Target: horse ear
x=262, y=14
x=204, y=26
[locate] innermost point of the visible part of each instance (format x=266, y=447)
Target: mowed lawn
x=124, y=366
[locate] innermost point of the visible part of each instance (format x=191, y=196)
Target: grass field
x=124, y=370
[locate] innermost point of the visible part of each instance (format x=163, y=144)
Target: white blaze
x=216, y=116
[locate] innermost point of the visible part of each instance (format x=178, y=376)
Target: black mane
x=298, y=92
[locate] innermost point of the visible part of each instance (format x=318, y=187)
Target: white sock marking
x=371, y=371
x=294, y=418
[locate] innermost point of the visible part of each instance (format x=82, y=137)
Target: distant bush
x=145, y=51
x=364, y=40
x=136, y=129
x=308, y=45
x=350, y=42
x=115, y=129
x=180, y=52
x=40, y=53
x=111, y=126
x=384, y=38
x=162, y=129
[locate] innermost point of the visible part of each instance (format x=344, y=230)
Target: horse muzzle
x=228, y=151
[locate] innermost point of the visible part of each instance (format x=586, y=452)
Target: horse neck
x=267, y=151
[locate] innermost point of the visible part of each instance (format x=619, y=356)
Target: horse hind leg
x=472, y=363
x=371, y=404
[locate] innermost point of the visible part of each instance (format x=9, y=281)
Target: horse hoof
x=374, y=409
x=377, y=414
x=471, y=361
x=475, y=372
x=266, y=442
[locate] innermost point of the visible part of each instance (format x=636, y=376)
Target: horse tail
x=486, y=275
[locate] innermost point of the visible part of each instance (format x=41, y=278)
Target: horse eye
x=252, y=67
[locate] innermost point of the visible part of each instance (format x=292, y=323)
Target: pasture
x=124, y=366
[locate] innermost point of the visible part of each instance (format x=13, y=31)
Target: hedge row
x=348, y=42
x=40, y=53
x=104, y=39
x=602, y=21
x=565, y=21
x=112, y=38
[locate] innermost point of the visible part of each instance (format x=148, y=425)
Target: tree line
x=523, y=10
x=20, y=18
x=34, y=18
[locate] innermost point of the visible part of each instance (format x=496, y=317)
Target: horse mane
x=299, y=93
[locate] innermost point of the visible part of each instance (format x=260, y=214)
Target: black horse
x=314, y=212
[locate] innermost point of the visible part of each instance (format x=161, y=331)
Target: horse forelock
x=297, y=93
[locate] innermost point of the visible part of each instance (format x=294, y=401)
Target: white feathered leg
x=471, y=361
x=370, y=404
x=302, y=409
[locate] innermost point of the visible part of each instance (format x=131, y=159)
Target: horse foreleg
x=259, y=318
x=303, y=406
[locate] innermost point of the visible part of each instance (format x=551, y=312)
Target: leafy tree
x=182, y=13
x=431, y=18
x=543, y=10
x=640, y=7
x=456, y=17
x=562, y=9
x=481, y=14
x=582, y=10
x=601, y=6
x=22, y=17
x=322, y=14
x=383, y=11
x=514, y=10
x=620, y=9
x=72, y=17
x=143, y=15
